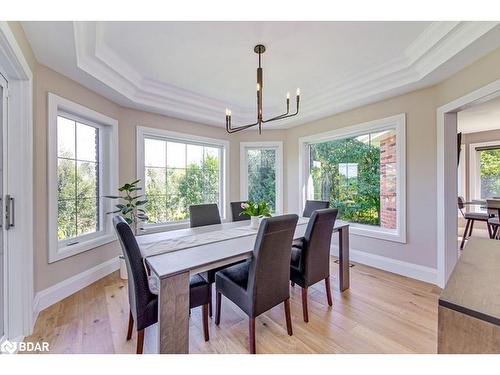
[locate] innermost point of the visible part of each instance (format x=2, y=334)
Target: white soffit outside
x=194, y=70
x=480, y=118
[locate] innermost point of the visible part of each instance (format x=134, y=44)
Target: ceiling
x=194, y=70
x=479, y=118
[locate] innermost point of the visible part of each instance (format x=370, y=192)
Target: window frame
x=143, y=132
x=397, y=122
x=475, y=168
x=278, y=146
x=108, y=176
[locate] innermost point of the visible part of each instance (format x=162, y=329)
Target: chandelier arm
x=283, y=116
x=230, y=130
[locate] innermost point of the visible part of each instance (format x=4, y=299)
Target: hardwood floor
x=380, y=313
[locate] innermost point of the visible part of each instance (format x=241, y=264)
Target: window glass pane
x=66, y=219
x=65, y=138
x=211, y=157
x=156, y=208
x=155, y=153
x=156, y=181
x=87, y=213
x=261, y=169
x=86, y=142
x=194, y=155
x=490, y=173
x=358, y=176
x=176, y=155
x=66, y=181
x=86, y=180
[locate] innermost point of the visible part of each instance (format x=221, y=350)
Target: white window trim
x=278, y=145
x=108, y=173
x=143, y=132
x=397, y=122
x=474, y=169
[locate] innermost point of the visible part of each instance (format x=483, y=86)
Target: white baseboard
x=415, y=271
x=59, y=291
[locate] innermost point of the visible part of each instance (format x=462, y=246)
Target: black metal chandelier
x=260, y=49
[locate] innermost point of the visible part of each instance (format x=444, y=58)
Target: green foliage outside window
x=490, y=173
x=262, y=176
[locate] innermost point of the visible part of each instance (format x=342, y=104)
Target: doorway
x=447, y=176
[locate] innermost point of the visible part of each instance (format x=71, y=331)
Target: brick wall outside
x=388, y=182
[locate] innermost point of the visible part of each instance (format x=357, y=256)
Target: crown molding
x=436, y=45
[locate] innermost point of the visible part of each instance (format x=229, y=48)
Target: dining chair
x=310, y=261
x=236, y=211
x=470, y=218
x=203, y=214
x=260, y=283
x=493, y=208
x=143, y=302
x=312, y=206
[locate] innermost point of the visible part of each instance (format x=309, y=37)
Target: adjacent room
x=250, y=187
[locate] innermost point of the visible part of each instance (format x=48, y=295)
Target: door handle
x=9, y=212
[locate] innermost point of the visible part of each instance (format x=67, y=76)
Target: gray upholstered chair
x=310, y=261
x=143, y=303
x=261, y=282
x=236, y=211
x=493, y=207
x=312, y=206
x=470, y=218
x=203, y=214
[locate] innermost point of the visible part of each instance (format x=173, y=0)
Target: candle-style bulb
x=287, y=95
x=258, y=86
x=298, y=91
x=228, y=112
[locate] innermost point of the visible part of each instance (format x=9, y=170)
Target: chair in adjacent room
x=262, y=282
x=144, y=303
x=312, y=206
x=236, y=211
x=470, y=218
x=493, y=207
x=310, y=260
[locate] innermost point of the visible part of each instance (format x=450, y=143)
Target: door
x=3, y=127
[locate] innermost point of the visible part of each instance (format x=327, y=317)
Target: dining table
x=174, y=256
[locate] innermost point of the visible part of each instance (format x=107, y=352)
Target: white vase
x=254, y=222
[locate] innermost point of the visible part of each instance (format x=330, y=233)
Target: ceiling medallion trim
x=440, y=42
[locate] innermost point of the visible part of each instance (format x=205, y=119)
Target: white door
x=3, y=128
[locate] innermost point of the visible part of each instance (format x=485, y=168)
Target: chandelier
x=260, y=49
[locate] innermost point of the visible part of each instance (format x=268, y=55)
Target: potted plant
x=256, y=210
x=131, y=208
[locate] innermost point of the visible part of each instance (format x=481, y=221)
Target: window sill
x=378, y=233
x=68, y=251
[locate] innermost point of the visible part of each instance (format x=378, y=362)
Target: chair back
x=269, y=273
x=138, y=289
x=493, y=207
x=203, y=214
x=315, y=259
x=312, y=206
x=461, y=204
x=236, y=210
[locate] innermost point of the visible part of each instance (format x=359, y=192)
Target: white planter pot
x=254, y=222
x=123, y=268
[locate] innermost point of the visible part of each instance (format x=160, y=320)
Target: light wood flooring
x=380, y=313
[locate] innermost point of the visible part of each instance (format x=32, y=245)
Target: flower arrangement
x=255, y=209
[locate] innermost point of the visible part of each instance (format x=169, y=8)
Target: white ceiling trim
x=440, y=42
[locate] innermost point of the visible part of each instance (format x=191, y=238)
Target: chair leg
x=292, y=283
x=140, y=341
x=288, y=317
x=130, y=325
x=210, y=301
x=251, y=335
x=304, y=305
x=465, y=234
x=490, y=233
x=328, y=291
x=218, y=302
x=205, y=322
x=471, y=226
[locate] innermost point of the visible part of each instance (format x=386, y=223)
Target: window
x=179, y=170
x=82, y=169
x=484, y=170
x=261, y=173
x=360, y=170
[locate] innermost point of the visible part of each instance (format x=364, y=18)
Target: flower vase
x=254, y=222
